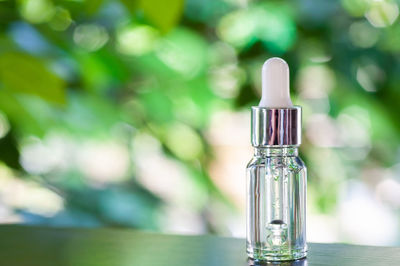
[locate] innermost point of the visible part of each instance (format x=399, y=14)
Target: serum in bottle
x=276, y=176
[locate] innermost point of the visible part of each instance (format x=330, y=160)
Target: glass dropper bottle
x=276, y=176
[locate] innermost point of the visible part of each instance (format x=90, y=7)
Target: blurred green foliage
x=120, y=71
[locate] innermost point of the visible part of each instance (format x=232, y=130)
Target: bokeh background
x=136, y=113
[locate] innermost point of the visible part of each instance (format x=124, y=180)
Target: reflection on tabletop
x=302, y=262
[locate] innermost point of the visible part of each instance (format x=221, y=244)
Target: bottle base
x=257, y=254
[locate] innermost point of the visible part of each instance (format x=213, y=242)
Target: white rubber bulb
x=275, y=84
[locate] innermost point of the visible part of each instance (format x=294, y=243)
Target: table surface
x=26, y=245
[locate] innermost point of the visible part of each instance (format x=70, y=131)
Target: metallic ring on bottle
x=275, y=126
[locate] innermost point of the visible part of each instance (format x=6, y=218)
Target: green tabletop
x=25, y=245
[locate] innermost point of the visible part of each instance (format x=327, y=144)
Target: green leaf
x=164, y=14
x=22, y=73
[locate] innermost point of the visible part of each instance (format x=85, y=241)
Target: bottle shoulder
x=293, y=163
x=256, y=161
x=298, y=164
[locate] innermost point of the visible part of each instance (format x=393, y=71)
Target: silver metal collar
x=275, y=126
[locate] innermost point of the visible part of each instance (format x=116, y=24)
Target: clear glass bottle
x=276, y=205
x=276, y=187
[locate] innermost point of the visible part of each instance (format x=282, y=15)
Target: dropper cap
x=275, y=122
x=275, y=84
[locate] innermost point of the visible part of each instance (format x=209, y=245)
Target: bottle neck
x=276, y=151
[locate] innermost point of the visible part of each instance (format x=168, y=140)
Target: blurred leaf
x=89, y=115
x=9, y=152
x=92, y=6
x=8, y=12
x=164, y=14
x=24, y=73
x=130, y=5
x=356, y=8
x=100, y=71
x=268, y=22
x=184, y=142
x=18, y=114
x=184, y=51
x=158, y=106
